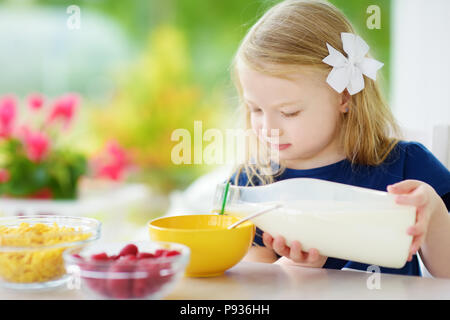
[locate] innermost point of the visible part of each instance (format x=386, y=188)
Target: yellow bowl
x=214, y=248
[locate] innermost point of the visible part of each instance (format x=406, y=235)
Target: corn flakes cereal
x=37, y=263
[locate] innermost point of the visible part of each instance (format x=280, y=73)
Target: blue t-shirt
x=408, y=160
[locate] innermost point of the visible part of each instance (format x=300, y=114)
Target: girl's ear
x=344, y=103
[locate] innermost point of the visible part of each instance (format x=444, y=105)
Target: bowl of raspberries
x=127, y=270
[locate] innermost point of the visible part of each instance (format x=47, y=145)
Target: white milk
x=368, y=233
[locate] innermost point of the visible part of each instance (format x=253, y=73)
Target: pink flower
x=112, y=163
x=117, y=153
x=36, y=144
x=35, y=101
x=64, y=109
x=4, y=175
x=111, y=171
x=7, y=115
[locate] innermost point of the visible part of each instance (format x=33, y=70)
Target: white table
x=261, y=281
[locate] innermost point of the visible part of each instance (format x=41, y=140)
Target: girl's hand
x=425, y=199
x=305, y=259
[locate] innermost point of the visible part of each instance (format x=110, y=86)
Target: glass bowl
x=151, y=274
x=31, y=248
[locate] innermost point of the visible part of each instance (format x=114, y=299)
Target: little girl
x=301, y=71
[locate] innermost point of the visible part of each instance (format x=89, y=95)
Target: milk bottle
x=339, y=220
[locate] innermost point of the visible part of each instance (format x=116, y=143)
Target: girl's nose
x=270, y=130
x=271, y=133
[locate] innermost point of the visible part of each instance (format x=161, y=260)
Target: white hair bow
x=348, y=72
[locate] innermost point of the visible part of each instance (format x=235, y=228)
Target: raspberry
x=145, y=255
x=150, y=284
x=129, y=249
x=118, y=287
x=160, y=253
x=100, y=256
x=172, y=253
x=96, y=284
x=140, y=285
x=128, y=257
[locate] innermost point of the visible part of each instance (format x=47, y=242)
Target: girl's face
x=305, y=110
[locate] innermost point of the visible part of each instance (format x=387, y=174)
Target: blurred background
x=144, y=68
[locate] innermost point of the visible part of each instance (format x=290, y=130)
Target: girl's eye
x=292, y=114
x=255, y=110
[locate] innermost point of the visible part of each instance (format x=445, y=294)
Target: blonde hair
x=294, y=33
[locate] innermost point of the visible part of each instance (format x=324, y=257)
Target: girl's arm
x=435, y=251
x=431, y=232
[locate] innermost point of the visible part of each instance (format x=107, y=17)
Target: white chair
x=440, y=145
x=437, y=140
